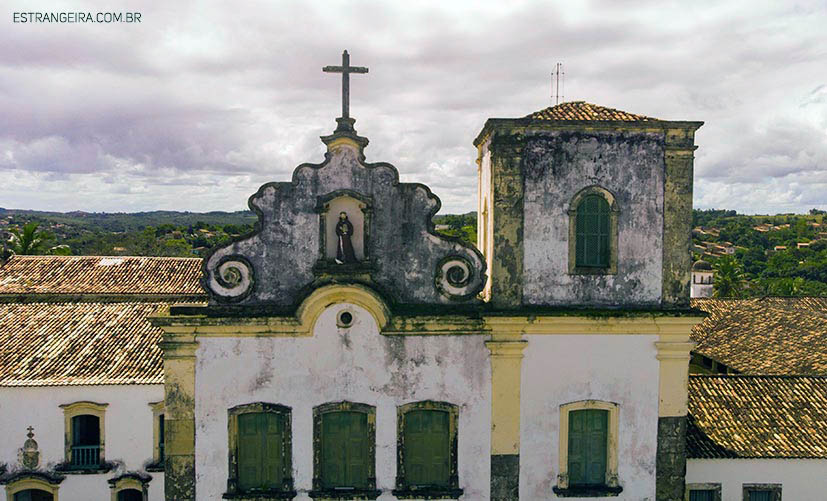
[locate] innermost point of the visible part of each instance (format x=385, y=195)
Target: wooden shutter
x=427, y=448
x=345, y=461
x=701, y=495
x=592, y=227
x=260, y=450
x=588, y=439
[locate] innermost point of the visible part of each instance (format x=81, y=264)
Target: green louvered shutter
x=260, y=451
x=33, y=495
x=427, y=448
x=592, y=226
x=588, y=435
x=760, y=496
x=345, y=450
x=701, y=495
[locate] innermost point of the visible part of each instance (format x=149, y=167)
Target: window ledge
x=155, y=467
x=345, y=494
x=591, y=491
x=427, y=493
x=66, y=469
x=260, y=496
x=593, y=271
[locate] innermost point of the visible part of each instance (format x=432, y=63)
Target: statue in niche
x=344, y=247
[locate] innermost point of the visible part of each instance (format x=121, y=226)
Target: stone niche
x=358, y=213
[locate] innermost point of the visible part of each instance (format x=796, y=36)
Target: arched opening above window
x=593, y=215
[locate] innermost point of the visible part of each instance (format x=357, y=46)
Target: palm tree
x=29, y=241
x=729, y=278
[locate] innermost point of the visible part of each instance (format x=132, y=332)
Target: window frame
x=774, y=489
x=286, y=490
x=344, y=406
x=74, y=409
x=33, y=480
x=403, y=488
x=158, y=460
x=716, y=487
x=612, y=484
x=129, y=481
x=614, y=212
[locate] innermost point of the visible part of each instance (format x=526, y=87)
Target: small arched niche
x=341, y=213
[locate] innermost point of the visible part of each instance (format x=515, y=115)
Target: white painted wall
x=562, y=369
x=356, y=364
x=128, y=432
x=800, y=479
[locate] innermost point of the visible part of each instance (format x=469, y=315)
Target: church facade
x=378, y=359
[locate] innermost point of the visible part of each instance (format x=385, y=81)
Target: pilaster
x=179, y=346
x=677, y=215
x=506, y=366
x=506, y=272
x=673, y=355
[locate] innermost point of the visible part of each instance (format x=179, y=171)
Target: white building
x=702, y=278
x=81, y=375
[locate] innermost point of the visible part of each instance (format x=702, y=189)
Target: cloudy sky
x=198, y=104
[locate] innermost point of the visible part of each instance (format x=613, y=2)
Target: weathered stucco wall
x=561, y=369
x=404, y=251
x=356, y=364
x=128, y=432
x=800, y=479
x=556, y=166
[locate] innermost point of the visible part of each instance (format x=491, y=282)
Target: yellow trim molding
x=611, y=442
x=157, y=412
x=643, y=324
x=31, y=483
x=673, y=382
x=125, y=483
x=506, y=366
x=79, y=409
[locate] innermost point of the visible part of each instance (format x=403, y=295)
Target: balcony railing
x=86, y=456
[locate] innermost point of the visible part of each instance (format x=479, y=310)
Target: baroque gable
x=389, y=242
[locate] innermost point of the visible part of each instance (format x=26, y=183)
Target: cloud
x=200, y=103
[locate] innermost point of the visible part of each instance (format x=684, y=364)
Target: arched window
x=593, y=232
x=130, y=486
x=130, y=495
x=32, y=486
x=427, y=450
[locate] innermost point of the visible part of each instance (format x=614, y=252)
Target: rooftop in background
x=581, y=110
x=70, y=343
x=101, y=275
x=772, y=335
x=757, y=417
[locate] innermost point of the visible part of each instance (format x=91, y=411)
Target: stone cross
x=345, y=69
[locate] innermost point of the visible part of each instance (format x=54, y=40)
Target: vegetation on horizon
x=779, y=255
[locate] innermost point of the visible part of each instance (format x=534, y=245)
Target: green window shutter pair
x=701, y=495
x=588, y=444
x=260, y=451
x=345, y=450
x=130, y=495
x=427, y=448
x=592, y=245
x=33, y=495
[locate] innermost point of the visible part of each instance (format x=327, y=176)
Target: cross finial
x=345, y=69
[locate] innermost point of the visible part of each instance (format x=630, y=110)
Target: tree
x=729, y=278
x=28, y=242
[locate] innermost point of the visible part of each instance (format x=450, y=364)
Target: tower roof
x=581, y=110
x=701, y=265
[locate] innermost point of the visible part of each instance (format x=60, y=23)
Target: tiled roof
x=581, y=110
x=100, y=275
x=765, y=335
x=757, y=417
x=72, y=343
